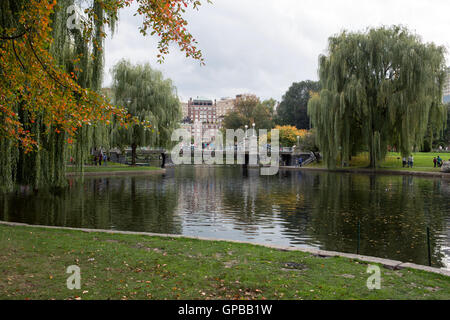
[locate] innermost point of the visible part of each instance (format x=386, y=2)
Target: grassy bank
x=112, y=167
x=423, y=162
x=33, y=263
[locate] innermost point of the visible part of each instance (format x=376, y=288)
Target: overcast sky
x=263, y=46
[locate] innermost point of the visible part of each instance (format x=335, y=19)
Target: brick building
x=202, y=110
x=224, y=106
x=203, y=115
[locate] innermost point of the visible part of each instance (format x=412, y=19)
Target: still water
x=294, y=208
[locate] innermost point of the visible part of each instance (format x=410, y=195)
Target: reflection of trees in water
x=226, y=194
x=150, y=204
x=307, y=207
x=199, y=190
x=242, y=203
x=132, y=203
x=257, y=200
x=34, y=208
x=293, y=202
x=394, y=213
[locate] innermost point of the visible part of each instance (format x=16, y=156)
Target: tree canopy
x=380, y=88
x=288, y=135
x=444, y=139
x=250, y=110
x=293, y=109
x=50, y=78
x=148, y=97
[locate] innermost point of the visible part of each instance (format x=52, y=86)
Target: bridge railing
x=239, y=148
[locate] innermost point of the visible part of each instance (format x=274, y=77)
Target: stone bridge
x=288, y=156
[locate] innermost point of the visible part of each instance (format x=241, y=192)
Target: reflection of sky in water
x=304, y=209
x=444, y=240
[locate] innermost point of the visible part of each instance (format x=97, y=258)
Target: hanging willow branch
x=381, y=88
x=50, y=102
x=150, y=98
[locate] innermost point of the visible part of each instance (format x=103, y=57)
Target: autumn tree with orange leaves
x=50, y=79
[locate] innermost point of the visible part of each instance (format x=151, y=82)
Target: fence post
x=429, y=246
x=359, y=237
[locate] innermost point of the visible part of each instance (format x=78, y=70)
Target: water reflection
x=293, y=208
x=101, y=203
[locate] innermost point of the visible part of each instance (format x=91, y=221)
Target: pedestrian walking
x=435, y=162
x=439, y=161
x=410, y=161
x=404, y=162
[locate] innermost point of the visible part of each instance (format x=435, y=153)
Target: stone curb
x=386, y=263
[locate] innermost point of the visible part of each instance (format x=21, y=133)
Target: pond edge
x=442, y=175
x=118, y=173
x=386, y=263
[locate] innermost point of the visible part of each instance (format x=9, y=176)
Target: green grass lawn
x=113, y=167
x=33, y=264
x=422, y=162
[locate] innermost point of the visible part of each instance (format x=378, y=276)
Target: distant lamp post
x=246, y=127
x=253, y=125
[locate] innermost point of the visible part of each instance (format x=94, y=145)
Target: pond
x=293, y=208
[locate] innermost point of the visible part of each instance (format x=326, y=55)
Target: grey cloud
x=262, y=46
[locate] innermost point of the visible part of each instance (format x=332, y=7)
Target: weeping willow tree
x=51, y=68
x=75, y=50
x=78, y=46
x=380, y=88
x=150, y=98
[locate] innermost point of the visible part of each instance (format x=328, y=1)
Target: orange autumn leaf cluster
x=31, y=81
x=164, y=18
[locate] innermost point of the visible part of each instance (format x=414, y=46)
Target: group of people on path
x=438, y=162
x=99, y=157
x=409, y=163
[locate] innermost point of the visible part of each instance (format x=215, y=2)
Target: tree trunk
x=163, y=158
x=133, y=154
x=372, y=153
x=133, y=189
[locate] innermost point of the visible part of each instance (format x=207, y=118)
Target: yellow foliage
x=288, y=135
